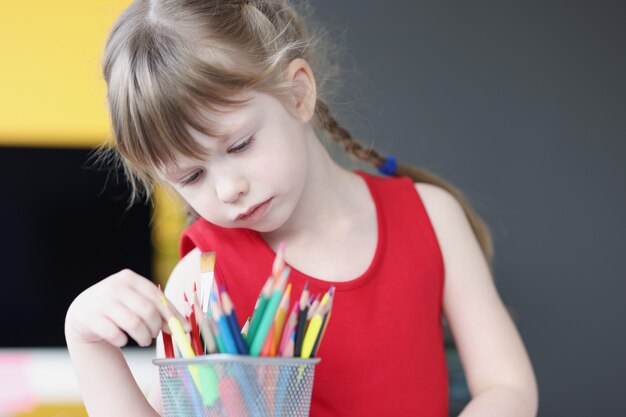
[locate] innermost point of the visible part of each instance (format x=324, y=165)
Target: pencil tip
x=185, y=296
x=286, y=272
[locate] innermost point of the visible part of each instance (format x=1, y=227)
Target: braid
x=340, y=135
x=353, y=148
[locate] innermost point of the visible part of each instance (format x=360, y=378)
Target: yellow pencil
x=315, y=326
x=204, y=377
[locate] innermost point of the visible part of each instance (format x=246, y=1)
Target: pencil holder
x=236, y=386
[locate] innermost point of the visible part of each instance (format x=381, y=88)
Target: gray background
x=522, y=105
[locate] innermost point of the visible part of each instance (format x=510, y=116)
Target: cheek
x=200, y=200
x=287, y=157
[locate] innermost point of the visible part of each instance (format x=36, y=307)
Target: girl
x=222, y=102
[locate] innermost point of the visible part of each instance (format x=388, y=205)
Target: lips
x=252, y=210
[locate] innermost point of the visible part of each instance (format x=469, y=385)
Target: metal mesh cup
x=236, y=386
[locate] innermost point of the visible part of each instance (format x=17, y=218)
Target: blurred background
x=522, y=105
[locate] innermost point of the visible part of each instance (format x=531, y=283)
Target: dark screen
x=64, y=225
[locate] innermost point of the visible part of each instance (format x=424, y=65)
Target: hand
x=124, y=304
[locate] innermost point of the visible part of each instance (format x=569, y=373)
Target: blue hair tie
x=389, y=167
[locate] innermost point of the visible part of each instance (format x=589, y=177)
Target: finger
x=145, y=308
x=148, y=289
x=108, y=331
x=130, y=322
x=170, y=310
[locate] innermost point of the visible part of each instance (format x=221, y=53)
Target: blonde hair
x=165, y=59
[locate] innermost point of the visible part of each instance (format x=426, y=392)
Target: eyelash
x=245, y=145
x=191, y=179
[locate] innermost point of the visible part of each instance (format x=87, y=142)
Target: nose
x=230, y=186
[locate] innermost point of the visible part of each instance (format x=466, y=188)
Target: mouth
x=255, y=211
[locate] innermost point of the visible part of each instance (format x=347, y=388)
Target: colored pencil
x=244, y=329
x=207, y=275
x=266, y=350
x=216, y=334
x=209, y=345
x=168, y=347
x=313, y=307
x=223, y=326
x=289, y=347
x=204, y=377
x=281, y=316
x=233, y=322
x=325, y=319
x=279, y=261
x=194, y=336
x=312, y=331
x=302, y=319
x=259, y=310
x=290, y=325
x=269, y=313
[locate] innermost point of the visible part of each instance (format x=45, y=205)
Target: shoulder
x=450, y=222
x=441, y=206
x=183, y=276
x=435, y=196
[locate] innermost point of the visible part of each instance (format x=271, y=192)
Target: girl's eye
x=243, y=146
x=191, y=179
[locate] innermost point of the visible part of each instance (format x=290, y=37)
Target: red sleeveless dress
x=383, y=351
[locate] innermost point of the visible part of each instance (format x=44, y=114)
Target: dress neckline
x=298, y=276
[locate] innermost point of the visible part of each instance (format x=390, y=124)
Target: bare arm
x=98, y=324
x=498, y=370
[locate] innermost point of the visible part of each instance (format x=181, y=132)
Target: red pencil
x=196, y=343
x=168, y=346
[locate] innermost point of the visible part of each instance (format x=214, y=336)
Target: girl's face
x=255, y=172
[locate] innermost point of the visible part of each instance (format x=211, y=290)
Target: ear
x=299, y=73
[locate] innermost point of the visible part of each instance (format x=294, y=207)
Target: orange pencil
x=281, y=315
x=266, y=350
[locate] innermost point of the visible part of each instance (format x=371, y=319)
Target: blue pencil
x=224, y=328
x=233, y=323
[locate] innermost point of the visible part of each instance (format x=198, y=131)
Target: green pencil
x=259, y=309
x=266, y=321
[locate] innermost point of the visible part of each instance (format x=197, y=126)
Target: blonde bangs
x=170, y=68
x=160, y=96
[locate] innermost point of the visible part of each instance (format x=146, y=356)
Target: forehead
x=223, y=122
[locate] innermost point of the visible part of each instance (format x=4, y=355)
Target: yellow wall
x=51, y=87
x=52, y=92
